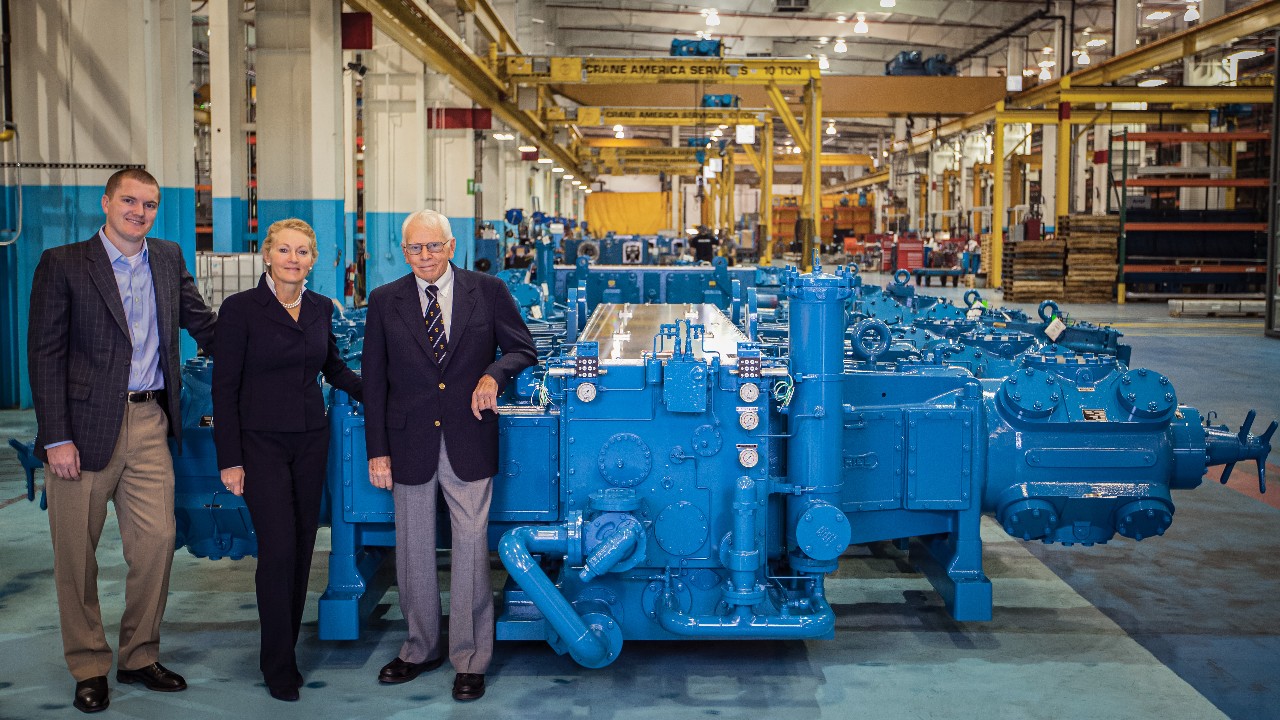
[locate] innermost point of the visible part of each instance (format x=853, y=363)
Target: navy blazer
x=79, y=348
x=410, y=402
x=265, y=374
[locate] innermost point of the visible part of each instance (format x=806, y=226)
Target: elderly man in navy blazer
x=106, y=381
x=431, y=385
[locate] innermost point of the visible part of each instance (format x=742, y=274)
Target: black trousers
x=284, y=474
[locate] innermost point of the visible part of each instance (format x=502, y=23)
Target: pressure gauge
x=748, y=457
x=586, y=392
x=749, y=419
x=749, y=392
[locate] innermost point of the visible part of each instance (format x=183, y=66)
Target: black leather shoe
x=298, y=679
x=92, y=695
x=468, y=686
x=399, y=671
x=287, y=694
x=155, y=676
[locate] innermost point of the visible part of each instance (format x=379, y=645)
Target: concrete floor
x=1183, y=626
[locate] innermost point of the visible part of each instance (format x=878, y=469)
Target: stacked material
x=1035, y=270
x=1091, y=257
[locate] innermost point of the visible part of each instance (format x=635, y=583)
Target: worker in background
x=272, y=434
x=704, y=244
x=106, y=382
x=431, y=388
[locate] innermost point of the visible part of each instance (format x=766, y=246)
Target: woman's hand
x=233, y=479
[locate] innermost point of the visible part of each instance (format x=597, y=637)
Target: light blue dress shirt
x=138, y=293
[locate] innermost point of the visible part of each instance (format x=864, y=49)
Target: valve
x=1251, y=447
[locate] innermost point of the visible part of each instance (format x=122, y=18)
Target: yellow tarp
x=628, y=213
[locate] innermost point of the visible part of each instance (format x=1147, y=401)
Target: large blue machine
x=695, y=467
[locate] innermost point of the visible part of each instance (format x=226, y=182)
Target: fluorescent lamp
x=860, y=27
x=1096, y=42
x=1245, y=55
x=557, y=169
x=545, y=161
x=527, y=148
x=568, y=176
x=1152, y=82
x=1159, y=15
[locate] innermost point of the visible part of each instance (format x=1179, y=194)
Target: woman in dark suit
x=271, y=431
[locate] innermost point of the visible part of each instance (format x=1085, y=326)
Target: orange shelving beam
x=1196, y=226
x=1175, y=136
x=1197, y=182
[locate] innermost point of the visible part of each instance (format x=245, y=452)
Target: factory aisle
x=1184, y=626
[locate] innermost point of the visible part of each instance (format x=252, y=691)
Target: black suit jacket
x=410, y=402
x=78, y=344
x=264, y=377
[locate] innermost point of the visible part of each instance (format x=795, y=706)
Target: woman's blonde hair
x=288, y=224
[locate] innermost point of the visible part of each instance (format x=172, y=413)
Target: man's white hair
x=429, y=219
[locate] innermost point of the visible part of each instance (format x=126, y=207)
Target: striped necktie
x=435, y=325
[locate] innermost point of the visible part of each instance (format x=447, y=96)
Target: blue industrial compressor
x=671, y=471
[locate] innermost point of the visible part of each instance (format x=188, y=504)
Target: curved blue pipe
x=587, y=646
x=744, y=625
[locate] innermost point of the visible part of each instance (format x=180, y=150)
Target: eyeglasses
x=431, y=247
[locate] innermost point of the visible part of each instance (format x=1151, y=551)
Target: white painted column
x=299, y=126
x=1125, y=27
x=1049, y=174
x=227, y=110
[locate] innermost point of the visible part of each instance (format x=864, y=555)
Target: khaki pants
x=139, y=480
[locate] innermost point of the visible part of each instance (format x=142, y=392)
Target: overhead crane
x=772, y=73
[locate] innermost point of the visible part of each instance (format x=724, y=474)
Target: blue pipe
x=742, y=624
x=620, y=544
x=586, y=645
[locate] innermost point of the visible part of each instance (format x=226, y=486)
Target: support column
x=395, y=168
x=1125, y=27
x=765, y=243
x=60, y=80
x=998, y=213
x=299, y=126
x=229, y=151
x=1048, y=168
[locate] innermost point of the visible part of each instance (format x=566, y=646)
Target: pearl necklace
x=292, y=305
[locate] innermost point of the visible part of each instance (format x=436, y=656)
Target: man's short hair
x=429, y=219
x=138, y=174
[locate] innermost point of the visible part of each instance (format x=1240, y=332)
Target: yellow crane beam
x=652, y=117
x=418, y=29
x=531, y=69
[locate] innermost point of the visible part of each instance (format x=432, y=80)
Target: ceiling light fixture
x=1047, y=50
x=1159, y=15
x=841, y=19
x=1096, y=42
x=568, y=176
x=618, y=128
x=840, y=46
x=1192, y=14
x=545, y=161
x=527, y=148
x=831, y=128
x=620, y=135
x=1245, y=55
x=860, y=27
x=1045, y=74
x=823, y=63
x=888, y=3
x=1083, y=58
x=1153, y=82
x=713, y=17
x=1046, y=64
x=557, y=169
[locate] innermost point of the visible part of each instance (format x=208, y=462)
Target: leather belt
x=142, y=396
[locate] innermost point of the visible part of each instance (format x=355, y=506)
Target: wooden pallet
x=1091, y=257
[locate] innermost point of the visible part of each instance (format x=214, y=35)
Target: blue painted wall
x=53, y=216
x=326, y=217
x=230, y=225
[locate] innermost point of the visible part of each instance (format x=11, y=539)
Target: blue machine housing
x=685, y=463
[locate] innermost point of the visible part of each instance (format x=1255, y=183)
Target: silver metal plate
x=626, y=332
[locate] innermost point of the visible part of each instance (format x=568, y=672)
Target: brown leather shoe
x=468, y=686
x=400, y=671
x=92, y=695
x=154, y=676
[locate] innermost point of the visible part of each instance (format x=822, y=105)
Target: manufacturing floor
x=1183, y=626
